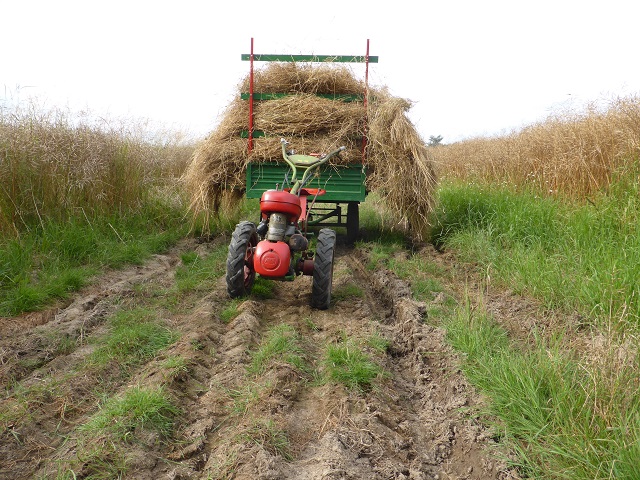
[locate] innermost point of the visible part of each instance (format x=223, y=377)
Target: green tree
x=433, y=141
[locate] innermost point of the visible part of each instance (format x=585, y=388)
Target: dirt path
x=283, y=422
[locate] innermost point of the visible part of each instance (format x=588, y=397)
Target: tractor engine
x=278, y=223
x=272, y=257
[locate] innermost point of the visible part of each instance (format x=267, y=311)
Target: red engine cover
x=272, y=259
x=276, y=201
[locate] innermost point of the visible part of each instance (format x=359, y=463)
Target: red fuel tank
x=272, y=259
x=276, y=201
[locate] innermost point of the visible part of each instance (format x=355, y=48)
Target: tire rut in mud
x=410, y=425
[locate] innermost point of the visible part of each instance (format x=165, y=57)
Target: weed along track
x=175, y=380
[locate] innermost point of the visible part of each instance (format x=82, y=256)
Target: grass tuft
x=347, y=291
x=263, y=289
x=101, y=462
x=230, y=311
x=138, y=407
x=281, y=343
x=346, y=363
x=136, y=335
x=378, y=343
x=175, y=367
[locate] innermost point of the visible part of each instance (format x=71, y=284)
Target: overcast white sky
x=473, y=68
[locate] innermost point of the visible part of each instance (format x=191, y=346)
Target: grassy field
x=78, y=196
x=552, y=213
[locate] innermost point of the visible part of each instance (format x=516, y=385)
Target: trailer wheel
x=323, y=269
x=240, y=271
x=353, y=221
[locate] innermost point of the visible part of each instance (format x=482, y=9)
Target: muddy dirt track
x=284, y=422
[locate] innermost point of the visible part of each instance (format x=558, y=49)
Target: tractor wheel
x=323, y=269
x=353, y=222
x=240, y=271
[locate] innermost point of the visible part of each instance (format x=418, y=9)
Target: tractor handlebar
x=306, y=162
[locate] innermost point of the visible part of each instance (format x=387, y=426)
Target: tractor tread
x=323, y=269
x=244, y=233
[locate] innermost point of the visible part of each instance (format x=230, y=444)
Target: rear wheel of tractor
x=323, y=269
x=240, y=271
x=353, y=222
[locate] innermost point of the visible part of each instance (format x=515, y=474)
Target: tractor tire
x=240, y=271
x=323, y=269
x=353, y=222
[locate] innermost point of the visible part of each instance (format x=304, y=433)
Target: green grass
x=263, y=288
x=230, y=311
x=174, y=367
x=378, y=343
x=101, y=462
x=54, y=259
x=419, y=272
x=200, y=273
x=380, y=252
x=574, y=257
x=135, y=336
x=244, y=398
x=347, y=291
x=281, y=343
x=563, y=416
x=310, y=324
x=103, y=440
x=149, y=408
x=346, y=363
x=23, y=400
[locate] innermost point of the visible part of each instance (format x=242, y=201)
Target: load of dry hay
x=398, y=165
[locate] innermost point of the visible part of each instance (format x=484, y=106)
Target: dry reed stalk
x=573, y=154
x=397, y=159
x=54, y=165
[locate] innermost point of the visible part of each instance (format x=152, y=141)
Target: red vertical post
x=250, y=146
x=366, y=98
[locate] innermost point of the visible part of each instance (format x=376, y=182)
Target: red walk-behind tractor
x=278, y=247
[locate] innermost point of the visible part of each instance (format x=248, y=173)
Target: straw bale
x=304, y=78
x=404, y=172
x=398, y=163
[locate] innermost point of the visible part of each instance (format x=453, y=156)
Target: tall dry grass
x=55, y=165
x=573, y=154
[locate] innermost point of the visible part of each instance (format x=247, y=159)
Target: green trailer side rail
x=262, y=57
x=343, y=183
